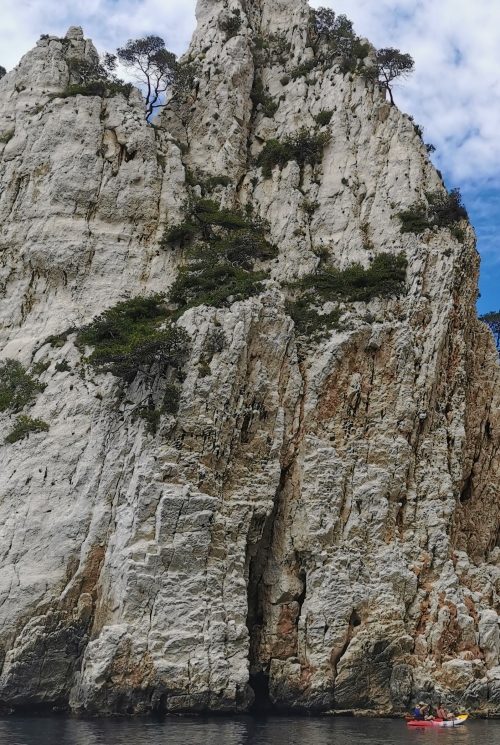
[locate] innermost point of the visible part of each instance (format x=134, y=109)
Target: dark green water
x=238, y=731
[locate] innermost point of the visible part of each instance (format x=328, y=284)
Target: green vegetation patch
x=169, y=404
x=385, y=277
x=128, y=340
x=446, y=210
x=59, y=340
x=304, y=148
x=492, y=319
x=185, y=75
x=259, y=95
x=6, y=137
x=303, y=70
x=324, y=117
x=62, y=366
x=24, y=426
x=307, y=318
x=222, y=247
x=101, y=88
x=213, y=286
x=334, y=40
x=207, y=184
x=231, y=25
x=17, y=387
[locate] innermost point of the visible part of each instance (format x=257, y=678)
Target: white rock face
x=318, y=519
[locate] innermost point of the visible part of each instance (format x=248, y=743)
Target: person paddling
x=441, y=713
x=419, y=712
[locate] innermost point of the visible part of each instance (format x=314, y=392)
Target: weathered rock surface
x=319, y=524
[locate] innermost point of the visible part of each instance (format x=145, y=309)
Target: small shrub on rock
x=62, y=366
x=214, y=343
x=260, y=96
x=324, y=117
x=17, y=387
x=24, y=427
x=128, y=340
x=214, y=285
x=333, y=38
x=59, y=340
x=492, y=319
x=204, y=369
x=171, y=399
x=223, y=246
x=307, y=318
x=446, y=210
x=303, y=70
x=303, y=147
x=209, y=183
x=385, y=277
x=101, y=88
x=6, y=137
x=185, y=75
x=151, y=417
x=232, y=24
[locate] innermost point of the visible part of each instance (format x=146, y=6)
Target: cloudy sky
x=455, y=93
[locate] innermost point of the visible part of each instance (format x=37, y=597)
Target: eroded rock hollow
x=316, y=527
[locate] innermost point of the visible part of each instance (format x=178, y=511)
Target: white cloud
x=109, y=23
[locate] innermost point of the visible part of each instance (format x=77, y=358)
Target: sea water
x=32, y=730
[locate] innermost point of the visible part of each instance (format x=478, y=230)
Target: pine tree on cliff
x=335, y=33
x=391, y=64
x=152, y=66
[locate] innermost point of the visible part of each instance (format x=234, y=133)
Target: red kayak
x=438, y=722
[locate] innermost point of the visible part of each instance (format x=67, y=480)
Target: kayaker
x=441, y=713
x=418, y=711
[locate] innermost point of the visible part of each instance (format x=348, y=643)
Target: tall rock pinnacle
x=297, y=505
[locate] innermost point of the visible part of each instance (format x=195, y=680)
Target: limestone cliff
x=318, y=524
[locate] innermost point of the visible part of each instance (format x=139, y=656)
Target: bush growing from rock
x=24, y=427
x=128, y=340
x=232, y=24
x=260, y=96
x=94, y=78
x=303, y=70
x=385, y=277
x=307, y=318
x=303, y=147
x=6, y=137
x=59, y=340
x=333, y=38
x=492, y=319
x=324, y=117
x=104, y=89
x=17, y=387
x=446, y=210
x=223, y=248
